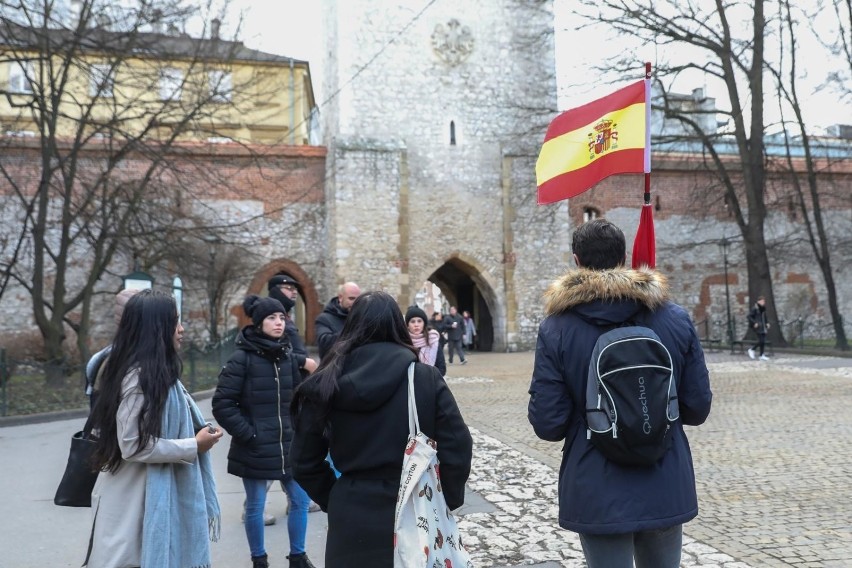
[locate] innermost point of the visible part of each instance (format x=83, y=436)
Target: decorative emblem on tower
x=452, y=42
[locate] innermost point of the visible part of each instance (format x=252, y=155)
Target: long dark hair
x=375, y=317
x=144, y=341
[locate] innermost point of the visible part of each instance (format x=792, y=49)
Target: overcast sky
x=293, y=28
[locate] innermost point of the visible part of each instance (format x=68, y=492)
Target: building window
x=221, y=85
x=590, y=213
x=452, y=133
x=171, y=81
x=101, y=81
x=21, y=76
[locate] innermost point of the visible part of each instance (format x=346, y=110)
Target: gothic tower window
x=452, y=133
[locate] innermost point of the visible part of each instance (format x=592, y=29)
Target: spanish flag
x=589, y=143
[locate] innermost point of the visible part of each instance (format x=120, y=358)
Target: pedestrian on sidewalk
x=356, y=407
x=252, y=403
x=154, y=503
x=622, y=513
x=757, y=321
x=330, y=322
x=454, y=324
x=469, y=331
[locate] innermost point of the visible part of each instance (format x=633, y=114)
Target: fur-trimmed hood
x=583, y=286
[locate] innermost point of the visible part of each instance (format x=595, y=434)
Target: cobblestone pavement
x=773, y=466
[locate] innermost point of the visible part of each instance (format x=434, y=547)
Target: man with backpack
x=618, y=371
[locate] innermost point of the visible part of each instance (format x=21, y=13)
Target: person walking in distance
x=757, y=321
x=154, y=503
x=469, y=331
x=356, y=407
x=623, y=513
x=454, y=324
x=330, y=322
x=252, y=403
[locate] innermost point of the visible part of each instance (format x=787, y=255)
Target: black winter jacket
x=368, y=430
x=329, y=324
x=252, y=404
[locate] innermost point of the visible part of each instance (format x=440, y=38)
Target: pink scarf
x=426, y=351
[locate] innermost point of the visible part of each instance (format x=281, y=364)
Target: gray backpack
x=631, y=396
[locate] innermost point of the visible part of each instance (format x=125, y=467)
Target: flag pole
x=647, y=195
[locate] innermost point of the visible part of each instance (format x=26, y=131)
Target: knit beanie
x=121, y=300
x=415, y=312
x=258, y=308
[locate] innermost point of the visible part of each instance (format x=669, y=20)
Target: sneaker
x=312, y=508
x=751, y=353
x=764, y=358
x=464, y=362
x=268, y=518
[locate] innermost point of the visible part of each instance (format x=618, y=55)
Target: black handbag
x=75, y=489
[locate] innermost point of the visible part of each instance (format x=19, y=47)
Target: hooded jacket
x=597, y=496
x=366, y=433
x=329, y=324
x=757, y=319
x=252, y=404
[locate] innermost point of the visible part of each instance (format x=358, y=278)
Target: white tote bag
x=425, y=532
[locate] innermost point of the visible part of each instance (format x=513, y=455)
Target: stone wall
x=428, y=104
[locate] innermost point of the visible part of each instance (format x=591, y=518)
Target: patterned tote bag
x=425, y=532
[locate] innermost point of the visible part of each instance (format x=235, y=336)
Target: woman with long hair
x=356, y=407
x=252, y=403
x=154, y=503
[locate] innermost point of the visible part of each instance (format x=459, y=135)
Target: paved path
x=773, y=464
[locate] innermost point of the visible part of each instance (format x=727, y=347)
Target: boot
x=259, y=561
x=300, y=561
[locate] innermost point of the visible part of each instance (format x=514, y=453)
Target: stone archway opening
x=459, y=287
x=307, y=306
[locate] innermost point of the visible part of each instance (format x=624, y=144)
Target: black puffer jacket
x=329, y=324
x=252, y=402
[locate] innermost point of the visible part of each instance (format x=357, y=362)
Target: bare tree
x=92, y=159
x=737, y=60
x=808, y=199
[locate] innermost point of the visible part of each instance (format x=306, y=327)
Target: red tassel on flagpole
x=644, y=245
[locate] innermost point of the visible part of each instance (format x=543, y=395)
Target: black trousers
x=456, y=345
x=761, y=342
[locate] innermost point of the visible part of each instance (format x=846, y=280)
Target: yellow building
x=121, y=84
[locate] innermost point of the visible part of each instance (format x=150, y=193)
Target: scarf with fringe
x=181, y=508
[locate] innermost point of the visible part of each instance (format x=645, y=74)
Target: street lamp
x=724, y=244
x=138, y=280
x=212, y=296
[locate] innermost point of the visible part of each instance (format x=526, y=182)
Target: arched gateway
x=432, y=141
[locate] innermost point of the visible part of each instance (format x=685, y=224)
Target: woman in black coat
x=356, y=407
x=252, y=403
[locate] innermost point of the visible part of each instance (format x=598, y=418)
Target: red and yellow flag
x=589, y=143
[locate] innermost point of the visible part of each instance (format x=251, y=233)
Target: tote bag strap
x=413, y=422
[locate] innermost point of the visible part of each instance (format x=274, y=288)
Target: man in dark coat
x=454, y=324
x=330, y=322
x=619, y=511
x=285, y=288
x=757, y=321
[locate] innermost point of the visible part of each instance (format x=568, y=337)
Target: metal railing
x=23, y=391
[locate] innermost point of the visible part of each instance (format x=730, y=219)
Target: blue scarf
x=181, y=508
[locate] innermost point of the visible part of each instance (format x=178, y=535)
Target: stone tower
x=436, y=113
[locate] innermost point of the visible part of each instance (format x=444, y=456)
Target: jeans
x=456, y=345
x=297, y=519
x=651, y=549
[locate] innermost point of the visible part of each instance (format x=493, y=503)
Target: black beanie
x=415, y=312
x=257, y=308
